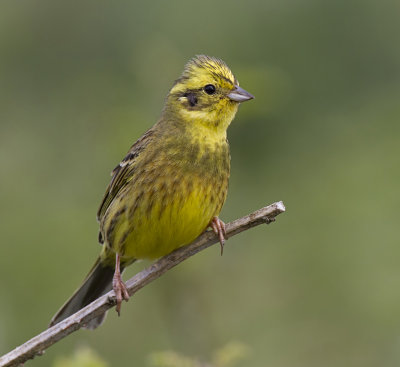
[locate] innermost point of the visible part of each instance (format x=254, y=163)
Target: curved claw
x=119, y=287
x=219, y=229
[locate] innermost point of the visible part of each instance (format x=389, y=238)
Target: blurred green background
x=81, y=81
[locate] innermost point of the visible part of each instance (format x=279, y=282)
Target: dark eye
x=209, y=89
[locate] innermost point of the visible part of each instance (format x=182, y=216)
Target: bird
x=171, y=185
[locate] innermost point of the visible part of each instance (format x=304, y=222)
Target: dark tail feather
x=98, y=282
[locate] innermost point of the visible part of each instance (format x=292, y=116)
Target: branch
x=38, y=344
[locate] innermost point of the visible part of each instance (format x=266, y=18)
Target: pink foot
x=219, y=229
x=119, y=286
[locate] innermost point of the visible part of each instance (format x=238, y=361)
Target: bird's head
x=207, y=93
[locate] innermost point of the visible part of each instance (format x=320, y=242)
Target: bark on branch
x=38, y=344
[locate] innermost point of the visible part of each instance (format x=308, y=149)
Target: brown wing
x=123, y=172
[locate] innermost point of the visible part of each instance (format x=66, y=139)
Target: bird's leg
x=119, y=286
x=219, y=229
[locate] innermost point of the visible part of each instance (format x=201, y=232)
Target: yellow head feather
x=202, y=65
x=189, y=100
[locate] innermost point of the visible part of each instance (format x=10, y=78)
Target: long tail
x=98, y=282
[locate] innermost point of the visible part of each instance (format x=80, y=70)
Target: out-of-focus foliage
x=83, y=357
x=81, y=81
x=172, y=359
x=228, y=356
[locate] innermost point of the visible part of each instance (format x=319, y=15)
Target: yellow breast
x=171, y=224
x=167, y=205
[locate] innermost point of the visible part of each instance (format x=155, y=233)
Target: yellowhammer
x=172, y=183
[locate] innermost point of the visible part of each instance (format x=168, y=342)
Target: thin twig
x=38, y=344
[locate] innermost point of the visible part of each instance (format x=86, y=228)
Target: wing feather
x=123, y=173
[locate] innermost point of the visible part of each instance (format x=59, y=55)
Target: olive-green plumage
x=172, y=182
